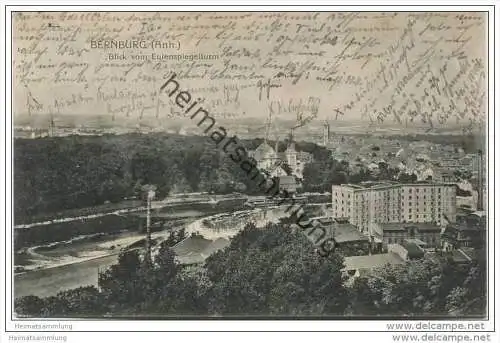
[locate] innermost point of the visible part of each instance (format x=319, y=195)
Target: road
x=48, y=282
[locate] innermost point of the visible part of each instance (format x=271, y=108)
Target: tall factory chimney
x=149, y=192
x=326, y=133
x=150, y=196
x=52, y=126
x=480, y=183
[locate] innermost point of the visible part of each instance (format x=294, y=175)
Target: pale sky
x=383, y=66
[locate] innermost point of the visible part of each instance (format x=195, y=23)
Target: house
x=443, y=175
x=356, y=266
x=348, y=240
x=465, y=256
x=425, y=173
x=410, y=249
x=468, y=231
x=392, y=233
x=304, y=157
x=373, y=167
x=422, y=157
x=469, y=202
x=401, y=153
x=356, y=263
x=195, y=249
x=287, y=183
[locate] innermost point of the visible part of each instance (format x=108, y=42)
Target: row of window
x=387, y=198
x=423, y=216
x=431, y=240
x=409, y=197
x=409, y=203
x=432, y=209
x=394, y=213
x=395, y=209
x=417, y=190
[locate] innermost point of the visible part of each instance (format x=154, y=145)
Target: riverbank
x=50, y=281
x=62, y=265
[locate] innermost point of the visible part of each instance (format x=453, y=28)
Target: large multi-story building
x=369, y=203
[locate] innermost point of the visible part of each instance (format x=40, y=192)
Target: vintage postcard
x=250, y=165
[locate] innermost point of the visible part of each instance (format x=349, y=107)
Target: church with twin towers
x=276, y=163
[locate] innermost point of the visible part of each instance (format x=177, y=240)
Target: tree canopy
x=270, y=271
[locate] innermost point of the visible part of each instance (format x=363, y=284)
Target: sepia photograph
x=242, y=165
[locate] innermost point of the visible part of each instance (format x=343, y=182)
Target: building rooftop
x=386, y=184
x=368, y=185
x=414, y=251
x=191, y=245
x=194, y=258
x=196, y=249
x=406, y=226
x=371, y=261
x=345, y=233
x=287, y=179
x=463, y=255
x=341, y=233
x=325, y=220
x=416, y=241
x=479, y=213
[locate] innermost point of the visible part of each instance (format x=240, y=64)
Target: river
x=61, y=265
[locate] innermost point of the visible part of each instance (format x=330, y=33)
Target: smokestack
x=51, y=125
x=326, y=133
x=480, y=197
x=150, y=194
x=148, y=230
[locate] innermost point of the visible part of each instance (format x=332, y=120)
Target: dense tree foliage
x=60, y=173
x=54, y=174
x=321, y=174
x=81, y=302
x=275, y=271
x=268, y=271
x=407, y=178
x=420, y=287
x=264, y=271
